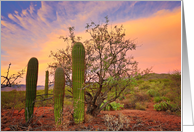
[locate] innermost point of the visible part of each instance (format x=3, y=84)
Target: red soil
x=139, y=120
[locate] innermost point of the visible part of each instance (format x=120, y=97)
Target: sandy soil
x=125, y=119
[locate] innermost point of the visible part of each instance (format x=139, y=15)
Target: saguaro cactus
x=59, y=94
x=78, y=69
x=46, y=83
x=31, y=84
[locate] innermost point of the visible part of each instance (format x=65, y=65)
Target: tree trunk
x=92, y=110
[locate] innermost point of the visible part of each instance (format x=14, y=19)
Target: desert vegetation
x=96, y=87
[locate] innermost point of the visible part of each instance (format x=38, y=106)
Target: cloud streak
x=34, y=31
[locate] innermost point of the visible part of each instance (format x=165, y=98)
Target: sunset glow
x=32, y=29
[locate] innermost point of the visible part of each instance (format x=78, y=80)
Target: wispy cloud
x=34, y=31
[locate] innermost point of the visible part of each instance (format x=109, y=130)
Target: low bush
x=166, y=105
x=153, y=93
x=157, y=99
x=112, y=106
x=144, y=86
x=140, y=106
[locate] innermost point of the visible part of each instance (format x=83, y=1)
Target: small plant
x=165, y=98
x=115, y=124
x=163, y=106
x=153, y=93
x=112, y=106
x=140, y=106
x=144, y=86
x=157, y=99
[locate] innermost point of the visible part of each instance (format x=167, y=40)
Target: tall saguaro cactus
x=59, y=94
x=31, y=85
x=46, y=83
x=78, y=69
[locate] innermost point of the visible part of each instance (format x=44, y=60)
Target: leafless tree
x=11, y=80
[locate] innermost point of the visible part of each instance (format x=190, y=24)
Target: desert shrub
x=115, y=123
x=122, y=97
x=153, y=80
x=166, y=105
x=140, y=81
x=134, y=98
x=144, y=86
x=140, y=106
x=162, y=106
x=113, y=106
x=13, y=99
x=116, y=106
x=157, y=99
x=165, y=98
x=141, y=96
x=153, y=93
x=132, y=92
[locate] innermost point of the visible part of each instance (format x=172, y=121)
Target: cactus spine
x=78, y=70
x=31, y=84
x=46, y=84
x=59, y=94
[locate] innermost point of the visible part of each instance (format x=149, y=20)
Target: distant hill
x=155, y=76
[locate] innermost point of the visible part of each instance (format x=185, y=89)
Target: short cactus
x=78, y=70
x=59, y=94
x=46, y=83
x=31, y=85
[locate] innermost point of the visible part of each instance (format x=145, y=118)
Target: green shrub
x=166, y=105
x=153, y=93
x=157, y=99
x=165, y=98
x=140, y=81
x=162, y=106
x=144, y=86
x=140, y=106
x=153, y=80
x=112, y=106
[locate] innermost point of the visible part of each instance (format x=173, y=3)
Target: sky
x=32, y=29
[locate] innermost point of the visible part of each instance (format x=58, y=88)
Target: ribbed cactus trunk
x=31, y=84
x=59, y=87
x=78, y=69
x=46, y=83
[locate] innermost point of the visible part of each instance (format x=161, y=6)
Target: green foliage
x=46, y=83
x=165, y=98
x=140, y=106
x=144, y=86
x=31, y=85
x=59, y=94
x=162, y=106
x=78, y=71
x=157, y=99
x=112, y=106
x=13, y=99
x=153, y=93
x=166, y=105
x=133, y=100
x=140, y=81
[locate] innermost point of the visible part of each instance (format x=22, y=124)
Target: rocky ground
x=123, y=120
